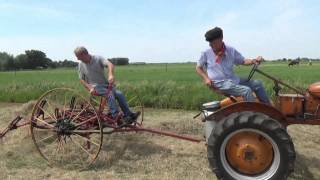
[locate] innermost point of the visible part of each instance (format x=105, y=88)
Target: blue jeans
x=102, y=90
x=244, y=89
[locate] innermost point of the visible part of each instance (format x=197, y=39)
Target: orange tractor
x=249, y=140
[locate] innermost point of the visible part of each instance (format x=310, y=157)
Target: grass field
x=159, y=85
x=143, y=156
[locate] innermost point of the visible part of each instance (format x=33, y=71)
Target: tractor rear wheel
x=250, y=145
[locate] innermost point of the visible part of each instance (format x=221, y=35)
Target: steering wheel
x=253, y=70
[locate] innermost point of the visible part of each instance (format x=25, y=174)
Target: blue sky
x=160, y=30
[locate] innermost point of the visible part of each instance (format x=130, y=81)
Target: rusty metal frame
x=248, y=106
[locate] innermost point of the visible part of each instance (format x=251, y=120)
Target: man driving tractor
x=215, y=66
x=92, y=77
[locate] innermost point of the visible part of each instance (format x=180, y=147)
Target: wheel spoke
x=49, y=104
x=90, y=155
x=86, y=131
x=74, y=106
x=45, y=112
x=79, y=124
x=47, y=138
x=64, y=106
x=82, y=162
x=43, y=130
x=87, y=139
x=59, y=146
x=44, y=122
x=58, y=143
x=80, y=113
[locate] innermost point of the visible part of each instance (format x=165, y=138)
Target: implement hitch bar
x=13, y=125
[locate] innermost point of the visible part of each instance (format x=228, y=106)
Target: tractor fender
x=248, y=106
x=211, y=120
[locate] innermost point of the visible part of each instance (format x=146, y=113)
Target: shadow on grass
x=302, y=171
x=123, y=150
x=126, y=148
x=21, y=154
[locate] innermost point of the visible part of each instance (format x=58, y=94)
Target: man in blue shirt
x=215, y=66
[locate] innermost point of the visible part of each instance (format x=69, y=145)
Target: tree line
x=35, y=59
x=303, y=59
x=119, y=61
x=31, y=59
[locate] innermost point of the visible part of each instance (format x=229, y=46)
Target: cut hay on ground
x=141, y=155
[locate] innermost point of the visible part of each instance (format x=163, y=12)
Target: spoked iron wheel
x=66, y=129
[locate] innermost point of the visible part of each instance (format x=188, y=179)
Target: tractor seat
x=229, y=98
x=215, y=90
x=314, y=89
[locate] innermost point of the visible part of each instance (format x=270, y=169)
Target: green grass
x=174, y=86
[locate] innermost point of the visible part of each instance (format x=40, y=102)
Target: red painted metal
x=293, y=121
x=86, y=119
x=314, y=89
x=135, y=128
x=13, y=125
x=248, y=106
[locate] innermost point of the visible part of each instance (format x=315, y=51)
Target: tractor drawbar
x=13, y=125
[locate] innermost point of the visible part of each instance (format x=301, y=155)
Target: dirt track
x=142, y=156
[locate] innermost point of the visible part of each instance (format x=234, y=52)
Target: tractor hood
x=314, y=89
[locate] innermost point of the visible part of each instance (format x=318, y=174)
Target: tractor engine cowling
x=303, y=106
x=314, y=89
x=290, y=104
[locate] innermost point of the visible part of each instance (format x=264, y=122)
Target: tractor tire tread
x=253, y=120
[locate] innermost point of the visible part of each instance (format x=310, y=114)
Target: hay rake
x=67, y=129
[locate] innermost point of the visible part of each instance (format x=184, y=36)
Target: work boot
x=132, y=117
x=135, y=115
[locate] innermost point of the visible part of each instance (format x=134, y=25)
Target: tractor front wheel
x=250, y=146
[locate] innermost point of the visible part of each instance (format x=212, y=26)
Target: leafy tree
x=32, y=59
x=37, y=59
x=119, y=61
x=21, y=61
x=6, y=61
x=10, y=64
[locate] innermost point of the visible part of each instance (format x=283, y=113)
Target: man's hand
x=92, y=91
x=258, y=60
x=204, y=76
x=89, y=87
x=111, y=79
x=207, y=81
